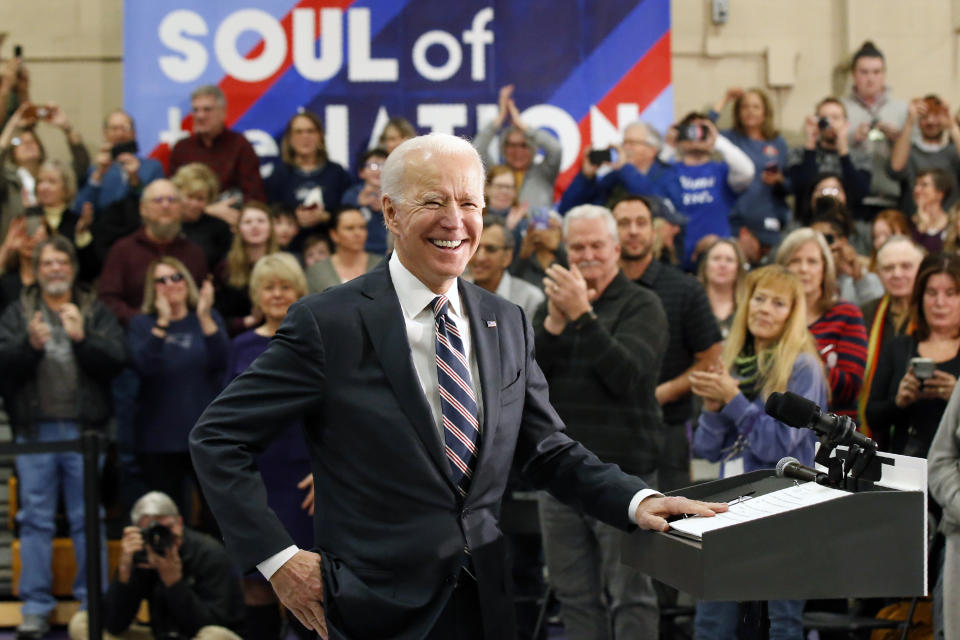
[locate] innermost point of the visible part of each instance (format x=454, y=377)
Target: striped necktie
x=458, y=402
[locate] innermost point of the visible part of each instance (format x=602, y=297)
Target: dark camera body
x=599, y=156
x=692, y=132
x=157, y=537
x=823, y=124
x=124, y=147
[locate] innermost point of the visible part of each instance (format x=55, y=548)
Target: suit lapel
x=486, y=342
x=383, y=318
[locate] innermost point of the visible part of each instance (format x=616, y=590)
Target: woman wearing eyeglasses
x=307, y=181
x=179, y=349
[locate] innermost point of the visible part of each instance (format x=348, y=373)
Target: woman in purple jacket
x=769, y=349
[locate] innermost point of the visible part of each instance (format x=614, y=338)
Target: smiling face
x=594, y=251
x=767, y=313
x=437, y=220
x=55, y=271
x=491, y=259
x=807, y=264
x=275, y=297
x=254, y=227
x=925, y=192
x=517, y=153
x=28, y=150
x=170, y=284
x=51, y=192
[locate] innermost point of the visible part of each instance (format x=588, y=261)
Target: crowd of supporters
x=132, y=292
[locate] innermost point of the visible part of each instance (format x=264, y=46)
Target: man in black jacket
x=59, y=349
x=185, y=576
x=600, y=340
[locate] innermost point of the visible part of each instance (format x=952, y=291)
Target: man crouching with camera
x=185, y=577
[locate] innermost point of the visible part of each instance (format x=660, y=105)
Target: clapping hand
x=72, y=321
x=38, y=331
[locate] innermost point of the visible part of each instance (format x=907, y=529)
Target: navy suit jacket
x=389, y=523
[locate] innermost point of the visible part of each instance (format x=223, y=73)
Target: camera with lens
x=157, y=537
x=823, y=124
x=692, y=132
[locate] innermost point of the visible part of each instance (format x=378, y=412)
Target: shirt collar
x=650, y=273
x=415, y=296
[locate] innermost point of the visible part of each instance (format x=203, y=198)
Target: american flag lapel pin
x=491, y=324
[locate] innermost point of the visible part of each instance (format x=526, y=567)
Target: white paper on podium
x=749, y=509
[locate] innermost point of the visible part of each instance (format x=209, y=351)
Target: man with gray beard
x=125, y=268
x=59, y=349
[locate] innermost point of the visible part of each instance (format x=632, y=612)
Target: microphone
x=796, y=411
x=790, y=467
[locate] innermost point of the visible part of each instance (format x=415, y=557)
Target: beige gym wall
x=794, y=48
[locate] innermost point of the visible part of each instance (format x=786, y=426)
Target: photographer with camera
x=632, y=168
x=119, y=170
x=709, y=187
x=185, y=576
x=936, y=148
x=826, y=149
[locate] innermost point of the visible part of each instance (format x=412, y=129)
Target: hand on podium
x=653, y=511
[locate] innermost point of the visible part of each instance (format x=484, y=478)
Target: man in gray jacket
x=59, y=349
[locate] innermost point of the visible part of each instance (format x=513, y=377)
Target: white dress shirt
x=415, y=298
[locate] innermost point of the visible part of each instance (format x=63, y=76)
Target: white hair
x=591, y=212
x=154, y=503
x=902, y=239
x=651, y=135
x=392, y=173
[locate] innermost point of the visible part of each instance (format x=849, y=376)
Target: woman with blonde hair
x=837, y=325
x=203, y=218
x=179, y=349
x=276, y=282
x=768, y=350
x=253, y=240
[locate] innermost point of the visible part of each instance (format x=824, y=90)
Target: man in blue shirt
x=636, y=171
x=117, y=176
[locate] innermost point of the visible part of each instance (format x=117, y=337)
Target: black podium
x=865, y=544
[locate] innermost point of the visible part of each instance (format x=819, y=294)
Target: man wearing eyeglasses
x=125, y=267
x=630, y=168
x=489, y=267
x=228, y=153
x=59, y=348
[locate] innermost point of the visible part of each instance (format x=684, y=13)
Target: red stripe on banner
x=242, y=95
x=642, y=84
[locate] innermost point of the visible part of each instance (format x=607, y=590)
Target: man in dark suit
x=416, y=405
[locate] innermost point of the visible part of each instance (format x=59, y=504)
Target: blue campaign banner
x=582, y=70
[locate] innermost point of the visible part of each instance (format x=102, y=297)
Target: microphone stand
x=856, y=471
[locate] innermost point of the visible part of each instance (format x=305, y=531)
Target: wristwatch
x=584, y=319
